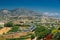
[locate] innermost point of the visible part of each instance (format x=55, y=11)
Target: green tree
x=57, y=36
x=14, y=29
x=8, y=24
x=32, y=36
x=41, y=31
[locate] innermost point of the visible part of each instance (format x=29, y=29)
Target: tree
x=14, y=29
x=8, y=24
x=41, y=32
x=32, y=36
x=57, y=36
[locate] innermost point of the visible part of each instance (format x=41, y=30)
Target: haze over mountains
x=22, y=11
x=17, y=12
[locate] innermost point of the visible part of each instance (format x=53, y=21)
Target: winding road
x=31, y=28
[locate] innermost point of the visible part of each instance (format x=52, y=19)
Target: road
x=31, y=28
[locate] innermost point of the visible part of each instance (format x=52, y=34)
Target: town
x=23, y=27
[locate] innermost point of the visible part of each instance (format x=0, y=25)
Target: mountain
x=18, y=12
x=15, y=13
x=6, y=14
x=22, y=13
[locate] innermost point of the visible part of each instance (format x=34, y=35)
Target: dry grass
x=4, y=30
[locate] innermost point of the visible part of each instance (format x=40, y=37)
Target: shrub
x=8, y=24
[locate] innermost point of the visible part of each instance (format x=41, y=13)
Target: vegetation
x=41, y=32
x=16, y=39
x=32, y=36
x=14, y=29
x=17, y=25
x=8, y=24
x=57, y=36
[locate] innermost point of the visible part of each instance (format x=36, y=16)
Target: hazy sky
x=37, y=5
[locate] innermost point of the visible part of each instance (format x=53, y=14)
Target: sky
x=46, y=6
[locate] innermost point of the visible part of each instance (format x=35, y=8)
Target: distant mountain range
x=21, y=13
x=18, y=12
x=5, y=13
